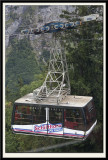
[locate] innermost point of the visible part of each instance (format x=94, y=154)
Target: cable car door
x=55, y=125
x=39, y=120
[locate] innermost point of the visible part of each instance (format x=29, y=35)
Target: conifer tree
x=84, y=50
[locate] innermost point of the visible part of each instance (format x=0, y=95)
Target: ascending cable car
x=73, y=117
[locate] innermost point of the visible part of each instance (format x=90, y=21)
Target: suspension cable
x=55, y=146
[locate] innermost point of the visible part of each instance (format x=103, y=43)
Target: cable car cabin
x=74, y=117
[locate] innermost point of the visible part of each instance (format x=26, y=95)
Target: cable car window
x=90, y=114
x=73, y=119
x=55, y=115
x=39, y=115
x=23, y=115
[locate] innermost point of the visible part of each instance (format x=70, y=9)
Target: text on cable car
x=51, y=127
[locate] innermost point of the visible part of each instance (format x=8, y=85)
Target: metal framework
x=56, y=85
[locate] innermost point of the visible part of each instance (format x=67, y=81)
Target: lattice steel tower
x=56, y=85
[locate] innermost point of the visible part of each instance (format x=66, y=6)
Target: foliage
x=20, y=67
x=86, y=76
x=84, y=50
x=39, y=79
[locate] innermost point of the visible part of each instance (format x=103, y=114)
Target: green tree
x=21, y=67
x=84, y=49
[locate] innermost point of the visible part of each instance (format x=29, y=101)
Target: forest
x=24, y=73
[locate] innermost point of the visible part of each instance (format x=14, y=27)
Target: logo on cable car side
x=51, y=127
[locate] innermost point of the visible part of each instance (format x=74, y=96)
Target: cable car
x=74, y=117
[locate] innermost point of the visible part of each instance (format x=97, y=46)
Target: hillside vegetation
x=24, y=72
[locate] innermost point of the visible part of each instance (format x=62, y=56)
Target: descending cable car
x=74, y=117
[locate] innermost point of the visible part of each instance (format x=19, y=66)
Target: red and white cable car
x=68, y=117
x=74, y=117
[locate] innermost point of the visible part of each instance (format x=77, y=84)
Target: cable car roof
x=68, y=101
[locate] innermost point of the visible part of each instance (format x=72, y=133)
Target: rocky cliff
x=21, y=17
